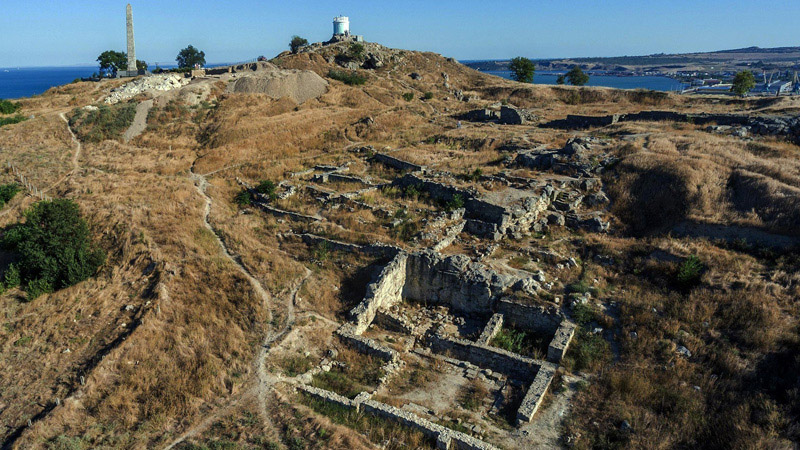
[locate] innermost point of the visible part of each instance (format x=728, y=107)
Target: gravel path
x=139, y=121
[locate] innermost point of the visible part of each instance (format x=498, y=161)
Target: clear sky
x=74, y=32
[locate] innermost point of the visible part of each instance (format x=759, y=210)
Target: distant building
x=341, y=30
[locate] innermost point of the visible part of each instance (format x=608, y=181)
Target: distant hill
x=760, y=58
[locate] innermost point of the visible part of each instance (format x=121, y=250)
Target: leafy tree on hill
x=297, y=43
x=561, y=79
x=743, y=82
x=190, y=56
x=7, y=107
x=141, y=65
x=111, y=61
x=53, y=248
x=577, y=77
x=522, y=69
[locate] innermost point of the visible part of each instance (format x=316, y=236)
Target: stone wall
x=455, y=281
x=498, y=360
x=533, y=398
x=561, y=340
x=385, y=291
x=491, y=329
x=328, y=396
x=397, y=163
x=536, y=318
x=366, y=345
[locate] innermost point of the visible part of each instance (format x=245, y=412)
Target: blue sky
x=69, y=32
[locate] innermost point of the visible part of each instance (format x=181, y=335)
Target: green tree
x=297, y=43
x=189, y=57
x=53, y=247
x=561, y=79
x=522, y=69
x=743, y=82
x=111, y=61
x=577, y=77
x=141, y=65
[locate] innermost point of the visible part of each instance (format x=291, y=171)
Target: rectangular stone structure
x=558, y=346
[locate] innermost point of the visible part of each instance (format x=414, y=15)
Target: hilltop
x=366, y=247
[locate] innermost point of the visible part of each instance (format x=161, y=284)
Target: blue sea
x=644, y=82
x=27, y=81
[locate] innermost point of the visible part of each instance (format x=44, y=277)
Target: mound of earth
x=297, y=85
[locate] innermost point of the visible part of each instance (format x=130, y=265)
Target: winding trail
x=265, y=381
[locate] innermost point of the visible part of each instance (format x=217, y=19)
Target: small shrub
x=454, y=203
x=427, y=95
x=473, y=176
x=267, y=188
x=583, y=314
x=689, y=272
x=408, y=96
x=7, y=192
x=356, y=50
x=412, y=192
x=12, y=277
x=322, y=251
x=351, y=79
x=243, y=198
x=8, y=107
x=12, y=120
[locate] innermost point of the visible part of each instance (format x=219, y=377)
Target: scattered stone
x=683, y=351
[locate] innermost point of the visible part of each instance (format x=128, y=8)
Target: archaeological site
x=352, y=246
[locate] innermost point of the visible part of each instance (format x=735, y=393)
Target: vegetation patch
x=9, y=107
x=53, y=248
x=106, y=122
x=521, y=342
x=351, y=78
x=391, y=434
x=12, y=120
x=356, y=373
x=7, y=192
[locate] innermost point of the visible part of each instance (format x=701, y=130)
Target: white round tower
x=341, y=25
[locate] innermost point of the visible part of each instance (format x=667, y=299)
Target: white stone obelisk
x=131, y=48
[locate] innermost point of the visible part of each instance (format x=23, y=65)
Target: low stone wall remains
x=491, y=329
x=366, y=345
x=558, y=346
x=482, y=355
x=533, y=398
x=396, y=163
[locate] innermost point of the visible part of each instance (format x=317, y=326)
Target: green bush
x=689, y=272
x=53, y=247
x=7, y=192
x=106, y=122
x=7, y=107
x=408, y=96
x=267, y=188
x=427, y=95
x=356, y=50
x=352, y=78
x=243, y=198
x=454, y=203
x=12, y=120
